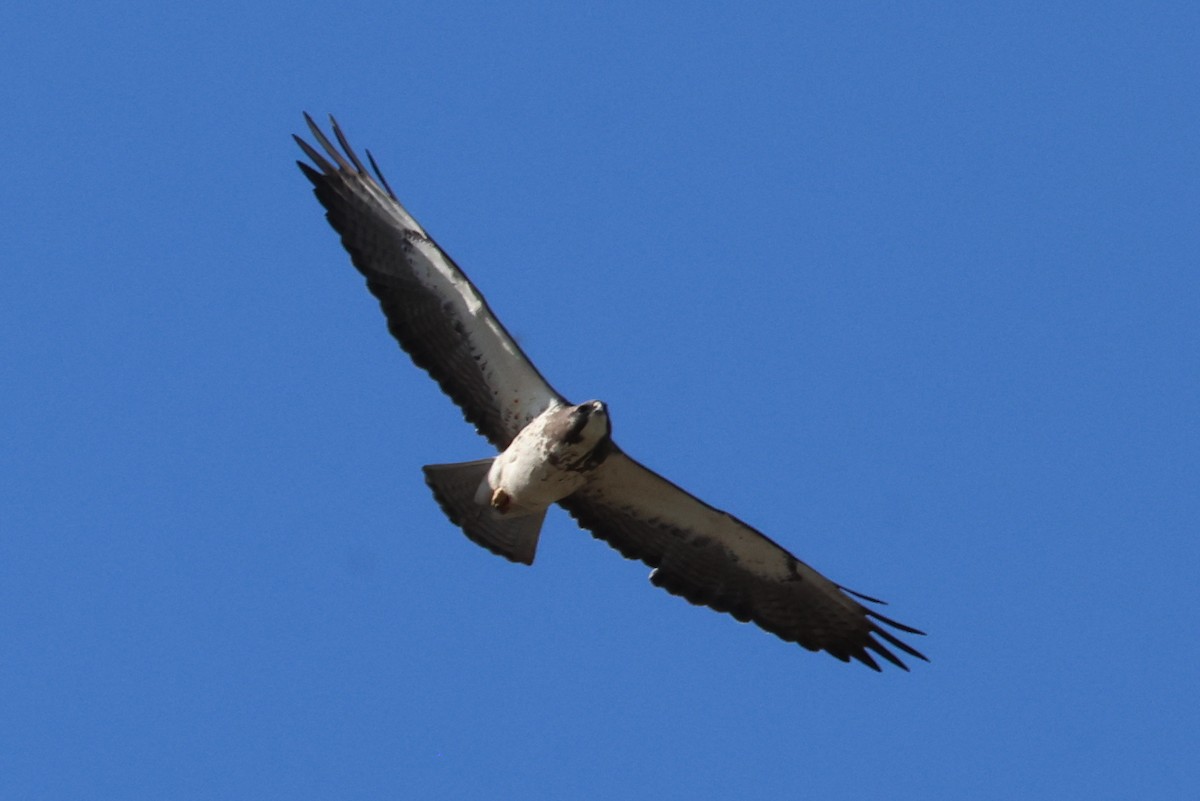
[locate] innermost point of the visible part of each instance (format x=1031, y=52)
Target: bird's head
x=589, y=422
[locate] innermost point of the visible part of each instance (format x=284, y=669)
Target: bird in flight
x=552, y=451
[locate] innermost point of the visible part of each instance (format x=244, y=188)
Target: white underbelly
x=531, y=484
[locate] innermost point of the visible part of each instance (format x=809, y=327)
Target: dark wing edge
x=432, y=308
x=711, y=558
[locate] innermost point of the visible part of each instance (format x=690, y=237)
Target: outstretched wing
x=710, y=557
x=432, y=308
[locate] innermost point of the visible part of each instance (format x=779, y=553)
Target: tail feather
x=455, y=486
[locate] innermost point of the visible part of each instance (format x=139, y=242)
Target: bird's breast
x=543, y=465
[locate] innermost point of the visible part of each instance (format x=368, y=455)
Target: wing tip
x=343, y=154
x=339, y=158
x=874, y=630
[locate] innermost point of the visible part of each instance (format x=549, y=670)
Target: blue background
x=912, y=289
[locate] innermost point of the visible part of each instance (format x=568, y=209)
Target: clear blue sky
x=914, y=290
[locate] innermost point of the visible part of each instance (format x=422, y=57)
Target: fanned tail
x=456, y=488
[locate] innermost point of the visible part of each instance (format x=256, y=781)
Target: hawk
x=554, y=452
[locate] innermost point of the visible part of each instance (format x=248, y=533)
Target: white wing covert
x=713, y=559
x=432, y=308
